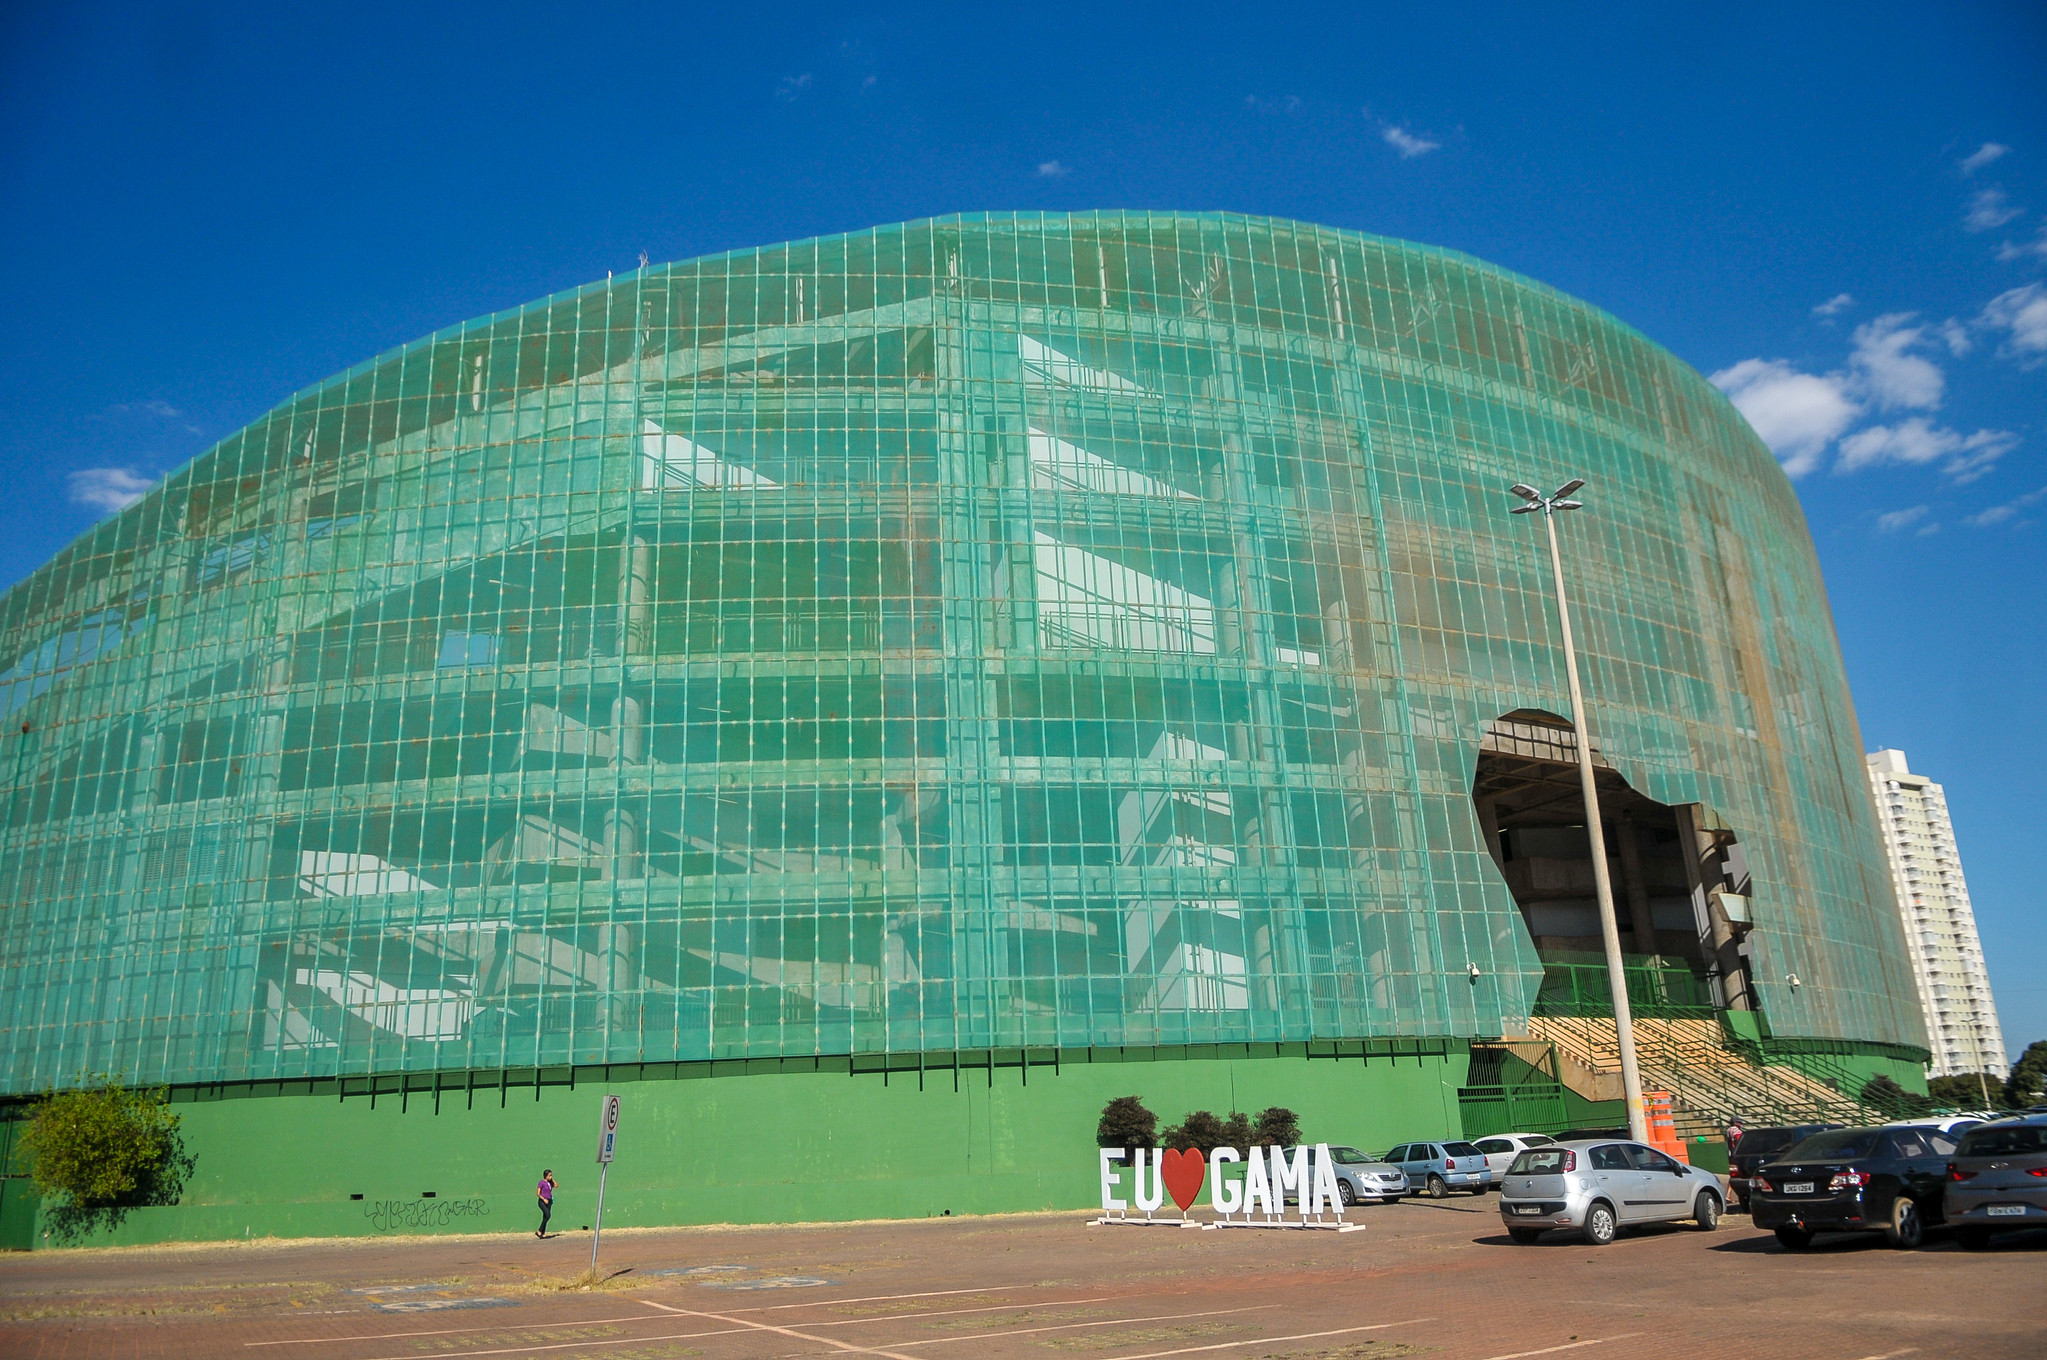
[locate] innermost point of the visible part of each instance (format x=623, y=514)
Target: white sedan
x=1502, y=1148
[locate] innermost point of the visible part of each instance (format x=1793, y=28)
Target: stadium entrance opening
x=1680, y=880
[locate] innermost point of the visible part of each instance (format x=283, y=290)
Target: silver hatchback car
x=1359, y=1177
x=1599, y=1186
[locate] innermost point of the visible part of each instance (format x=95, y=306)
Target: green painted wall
x=777, y=1147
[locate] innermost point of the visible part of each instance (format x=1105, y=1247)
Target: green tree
x=1277, y=1127
x=1965, y=1091
x=1202, y=1129
x=1894, y=1100
x=102, y=1150
x=2028, y=1083
x=1125, y=1123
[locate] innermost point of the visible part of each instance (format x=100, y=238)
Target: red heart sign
x=1183, y=1173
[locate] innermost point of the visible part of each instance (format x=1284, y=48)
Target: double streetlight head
x=1534, y=500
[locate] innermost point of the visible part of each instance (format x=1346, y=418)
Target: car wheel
x=1600, y=1225
x=1524, y=1235
x=1906, y=1228
x=1794, y=1239
x=1973, y=1239
x=1706, y=1211
x=1345, y=1193
x=1438, y=1189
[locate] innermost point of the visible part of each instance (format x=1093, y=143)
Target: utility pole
x=1595, y=831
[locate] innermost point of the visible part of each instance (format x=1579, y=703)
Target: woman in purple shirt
x=545, y=1190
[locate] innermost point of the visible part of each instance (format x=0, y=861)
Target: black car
x=1887, y=1180
x=1757, y=1146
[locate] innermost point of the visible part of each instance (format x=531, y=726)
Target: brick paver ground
x=1433, y=1279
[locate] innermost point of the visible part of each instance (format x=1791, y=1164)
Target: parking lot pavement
x=1433, y=1278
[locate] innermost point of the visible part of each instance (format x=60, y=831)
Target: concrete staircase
x=1711, y=1081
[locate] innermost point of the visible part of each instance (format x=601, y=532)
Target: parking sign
x=607, y=1130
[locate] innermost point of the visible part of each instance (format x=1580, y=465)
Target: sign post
x=607, y=1143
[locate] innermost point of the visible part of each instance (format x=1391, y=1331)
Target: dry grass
x=601, y=1280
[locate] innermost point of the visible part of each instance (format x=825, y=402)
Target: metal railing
x=1653, y=990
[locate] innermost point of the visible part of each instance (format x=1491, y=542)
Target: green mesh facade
x=995, y=631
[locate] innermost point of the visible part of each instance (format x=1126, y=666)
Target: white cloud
x=162, y=410
x=1892, y=521
x=2022, y=312
x=2010, y=510
x=1796, y=414
x=1917, y=442
x=1989, y=209
x=1888, y=371
x=1982, y=156
x=791, y=88
x=1406, y=143
x=1955, y=336
x=108, y=489
x=1834, y=305
x=153, y=409
x=1053, y=169
x=2019, y=250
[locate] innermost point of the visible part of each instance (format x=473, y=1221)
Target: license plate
x=1798, y=1188
x=2006, y=1211
x=1531, y=1210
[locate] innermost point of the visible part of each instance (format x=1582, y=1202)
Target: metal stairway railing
x=1711, y=1081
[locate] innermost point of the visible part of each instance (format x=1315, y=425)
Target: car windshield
x=1537, y=1139
x=1757, y=1141
x=2015, y=1140
x=1461, y=1150
x=1836, y=1144
x=1539, y=1162
x=1347, y=1156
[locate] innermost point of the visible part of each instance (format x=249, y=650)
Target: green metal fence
x=1654, y=990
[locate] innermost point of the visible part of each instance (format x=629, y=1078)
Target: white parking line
x=641, y=1317
x=570, y=1345
x=443, y=1331
x=743, y=1328
x=833, y=1342
x=1567, y=1346
x=877, y=1298
x=1271, y=1340
x=1893, y=1355
x=955, y=1312
x=1068, y=1326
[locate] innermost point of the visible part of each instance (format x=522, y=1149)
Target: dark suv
x=1887, y=1180
x=1757, y=1146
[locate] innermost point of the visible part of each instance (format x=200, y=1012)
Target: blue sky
x=1839, y=210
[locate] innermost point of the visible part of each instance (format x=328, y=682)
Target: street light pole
x=1595, y=831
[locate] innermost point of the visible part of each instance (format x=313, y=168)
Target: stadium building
x=870, y=701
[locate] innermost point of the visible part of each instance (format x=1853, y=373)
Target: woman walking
x=545, y=1190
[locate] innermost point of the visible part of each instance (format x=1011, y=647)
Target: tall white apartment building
x=1940, y=926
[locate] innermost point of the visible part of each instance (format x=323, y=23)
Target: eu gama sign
x=1271, y=1176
